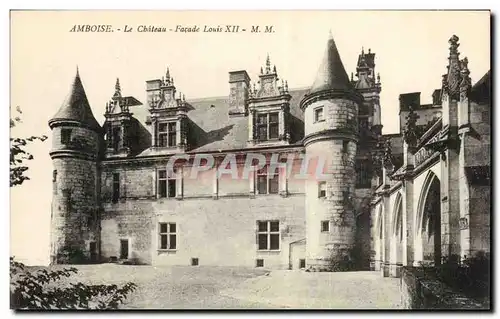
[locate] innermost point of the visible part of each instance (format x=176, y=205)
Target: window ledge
x=319, y=121
x=268, y=251
x=167, y=250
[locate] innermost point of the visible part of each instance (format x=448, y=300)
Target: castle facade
x=125, y=191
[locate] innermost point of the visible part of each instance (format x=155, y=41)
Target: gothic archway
x=397, y=233
x=429, y=220
x=379, y=239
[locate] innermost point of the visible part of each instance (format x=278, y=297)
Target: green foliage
x=32, y=290
x=470, y=276
x=18, y=154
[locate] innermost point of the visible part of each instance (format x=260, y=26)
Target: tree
x=18, y=153
x=44, y=288
x=33, y=290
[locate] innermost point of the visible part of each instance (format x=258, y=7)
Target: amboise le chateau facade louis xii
x=380, y=202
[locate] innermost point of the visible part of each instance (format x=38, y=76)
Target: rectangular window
x=267, y=182
x=168, y=236
x=262, y=127
x=345, y=146
x=166, y=184
x=302, y=263
x=116, y=187
x=363, y=175
x=268, y=235
x=318, y=114
x=54, y=181
x=363, y=126
x=194, y=262
x=273, y=125
x=115, y=141
x=167, y=133
x=321, y=189
x=325, y=226
x=268, y=126
x=65, y=136
x=259, y=263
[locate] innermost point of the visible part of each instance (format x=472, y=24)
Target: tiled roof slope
x=331, y=73
x=211, y=129
x=76, y=107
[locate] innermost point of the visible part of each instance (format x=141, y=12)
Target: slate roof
x=331, y=73
x=211, y=129
x=76, y=107
x=481, y=91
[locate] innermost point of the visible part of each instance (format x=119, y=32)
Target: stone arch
x=428, y=221
x=397, y=233
x=379, y=237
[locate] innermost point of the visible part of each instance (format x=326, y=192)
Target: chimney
x=239, y=84
x=153, y=91
x=409, y=99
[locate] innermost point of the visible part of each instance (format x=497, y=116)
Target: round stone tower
x=76, y=137
x=331, y=135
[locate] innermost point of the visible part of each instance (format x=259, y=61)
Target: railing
x=424, y=153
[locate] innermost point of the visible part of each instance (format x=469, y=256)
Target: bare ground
x=205, y=287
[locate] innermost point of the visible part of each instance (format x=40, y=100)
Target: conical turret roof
x=331, y=73
x=76, y=107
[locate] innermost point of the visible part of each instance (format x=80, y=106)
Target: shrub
x=30, y=290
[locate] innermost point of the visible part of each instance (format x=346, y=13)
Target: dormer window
x=167, y=134
x=268, y=126
x=116, y=138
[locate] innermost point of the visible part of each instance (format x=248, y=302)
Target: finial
x=286, y=86
x=117, y=86
x=167, y=76
x=378, y=77
x=369, y=50
x=465, y=83
x=352, y=77
x=362, y=50
x=261, y=71
x=268, y=64
x=254, y=88
x=388, y=155
x=77, y=72
x=410, y=132
x=172, y=80
x=274, y=69
x=330, y=35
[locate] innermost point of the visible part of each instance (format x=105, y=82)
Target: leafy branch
x=18, y=153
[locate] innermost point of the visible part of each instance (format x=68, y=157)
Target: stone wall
x=420, y=292
x=216, y=231
x=216, y=220
x=74, y=208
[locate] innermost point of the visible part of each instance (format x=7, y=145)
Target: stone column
x=465, y=244
x=251, y=116
x=387, y=235
x=215, y=184
x=281, y=124
x=409, y=222
x=179, y=181
x=283, y=180
x=251, y=183
x=154, y=129
x=178, y=131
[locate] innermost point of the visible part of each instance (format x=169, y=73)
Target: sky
x=411, y=55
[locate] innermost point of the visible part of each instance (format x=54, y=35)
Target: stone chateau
x=383, y=201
